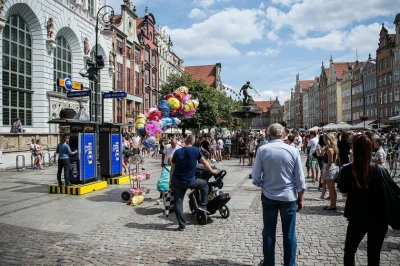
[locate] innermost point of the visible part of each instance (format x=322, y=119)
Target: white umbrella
x=313, y=129
x=344, y=126
x=330, y=126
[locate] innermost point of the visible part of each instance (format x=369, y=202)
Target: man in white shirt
x=312, y=161
x=169, y=150
x=297, y=140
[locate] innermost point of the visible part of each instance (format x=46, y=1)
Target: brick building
x=211, y=74
x=357, y=93
x=369, y=80
x=346, y=96
x=126, y=68
x=149, y=59
x=384, y=76
x=396, y=67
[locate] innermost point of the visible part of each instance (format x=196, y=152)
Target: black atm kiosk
x=83, y=138
x=110, y=150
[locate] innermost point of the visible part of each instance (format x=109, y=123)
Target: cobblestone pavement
x=124, y=235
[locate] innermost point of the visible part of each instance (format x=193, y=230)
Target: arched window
x=17, y=72
x=62, y=62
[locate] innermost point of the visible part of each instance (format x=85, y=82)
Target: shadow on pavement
x=113, y=195
x=150, y=210
x=319, y=210
x=152, y=226
x=199, y=262
x=33, y=189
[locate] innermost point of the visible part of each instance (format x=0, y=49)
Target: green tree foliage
x=214, y=106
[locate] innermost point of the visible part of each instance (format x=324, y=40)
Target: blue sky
x=268, y=42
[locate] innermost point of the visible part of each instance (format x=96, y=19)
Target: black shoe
x=60, y=184
x=181, y=228
x=69, y=185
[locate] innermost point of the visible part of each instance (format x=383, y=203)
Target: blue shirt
x=278, y=171
x=228, y=143
x=64, y=151
x=185, y=160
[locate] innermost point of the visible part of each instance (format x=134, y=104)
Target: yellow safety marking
x=78, y=189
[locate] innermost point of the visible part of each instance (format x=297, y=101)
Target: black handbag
x=391, y=194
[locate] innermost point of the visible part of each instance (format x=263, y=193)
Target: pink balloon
x=190, y=113
x=152, y=129
x=187, y=97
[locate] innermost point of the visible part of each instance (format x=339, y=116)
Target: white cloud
x=261, y=6
x=326, y=16
x=284, y=2
x=266, y=52
x=364, y=38
x=271, y=94
x=271, y=35
x=196, y=13
x=207, y=3
x=217, y=35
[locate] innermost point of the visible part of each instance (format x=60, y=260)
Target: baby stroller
x=217, y=200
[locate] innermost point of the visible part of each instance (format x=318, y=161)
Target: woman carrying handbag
x=365, y=207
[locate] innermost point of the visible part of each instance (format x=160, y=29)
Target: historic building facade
x=369, y=79
x=384, y=76
x=169, y=62
x=305, y=106
x=126, y=67
x=323, y=95
x=42, y=41
x=286, y=113
x=346, y=96
x=211, y=74
x=149, y=58
x=357, y=93
x=396, y=66
x=297, y=98
x=275, y=112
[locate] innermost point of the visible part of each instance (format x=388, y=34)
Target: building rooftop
x=306, y=83
x=264, y=105
x=207, y=73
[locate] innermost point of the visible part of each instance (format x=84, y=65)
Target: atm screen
x=73, y=142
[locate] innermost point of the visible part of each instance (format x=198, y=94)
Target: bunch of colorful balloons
x=168, y=113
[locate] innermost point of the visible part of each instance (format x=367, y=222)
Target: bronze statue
x=50, y=28
x=244, y=88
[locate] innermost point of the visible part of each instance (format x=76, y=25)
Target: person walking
x=242, y=150
x=182, y=173
x=312, y=158
x=38, y=154
x=64, y=152
x=251, y=147
x=228, y=145
x=220, y=149
x=169, y=150
x=331, y=168
x=278, y=171
x=365, y=209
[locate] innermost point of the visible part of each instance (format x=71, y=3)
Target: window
x=128, y=80
x=147, y=76
x=374, y=98
x=390, y=78
x=384, y=80
x=370, y=99
x=380, y=98
x=119, y=46
x=380, y=81
x=397, y=75
x=385, y=97
x=17, y=72
x=147, y=55
x=119, y=111
x=129, y=105
x=153, y=82
x=137, y=57
x=154, y=60
x=147, y=100
x=390, y=96
x=62, y=63
x=91, y=7
x=128, y=52
x=356, y=77
x=137, y=82
x=396, y=94
x=119, y=77
x=137, y=108
x=384, y=112
x=154, y=99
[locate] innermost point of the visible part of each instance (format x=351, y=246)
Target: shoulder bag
x=391, y=197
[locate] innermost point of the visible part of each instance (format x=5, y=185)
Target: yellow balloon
x=182, y=91
x=191, y=105
x=140, y=121
x=158, y=137
x=174, y=103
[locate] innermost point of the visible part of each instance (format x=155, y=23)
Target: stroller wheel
x=192, y=208
x=224, y=211
x=201, y=217
x=125, y=196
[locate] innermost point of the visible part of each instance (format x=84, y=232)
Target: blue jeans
x=287, y=211
x=180, y=188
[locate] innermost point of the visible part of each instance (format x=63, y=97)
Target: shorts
x=313, y=162
x=331, y=174
x=212, y=150
x=251, y=154
x=228, y=150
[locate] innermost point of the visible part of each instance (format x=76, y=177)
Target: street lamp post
x=107, y=34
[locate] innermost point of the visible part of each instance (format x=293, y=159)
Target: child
x=163, y=181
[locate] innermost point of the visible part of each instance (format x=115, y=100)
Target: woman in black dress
x=365, y=207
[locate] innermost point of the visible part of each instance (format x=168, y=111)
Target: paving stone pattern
x=143, y=236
